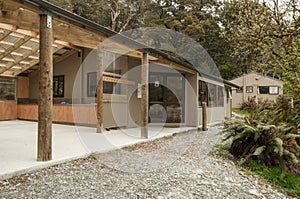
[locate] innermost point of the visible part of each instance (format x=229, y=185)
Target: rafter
x=18, y=60
x=14, y=29
x=33, y=57
x=64, y=56
x=32, y=34
x=16, y=54
x=5, y=35
x=8, y=59
x=33, y=62
x=67, y=44
x=15, y=46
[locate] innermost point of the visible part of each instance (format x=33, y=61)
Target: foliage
x=240, y=36
x=265, y=37
x=115, y=14
x=284, y=110
x=241, y=112
x=249, y=105
x=290, y=182
x=273, y=145
x=198, y=20
x=270, y=134
x=222, y=150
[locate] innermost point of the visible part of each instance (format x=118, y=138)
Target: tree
x=265, y=38
x=194, y=18
x=118, y=15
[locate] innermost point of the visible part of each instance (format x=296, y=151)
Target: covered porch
x=35, y=37
x=18, y=143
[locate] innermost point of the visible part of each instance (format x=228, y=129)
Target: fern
x=290, y=156
x=275, y=145
x=259, y=150
x=278, y=148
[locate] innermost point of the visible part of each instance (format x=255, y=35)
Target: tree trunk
x=100, y=89
x=145, y=93
x=45, y=90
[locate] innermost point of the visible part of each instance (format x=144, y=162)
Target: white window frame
x=273, y=90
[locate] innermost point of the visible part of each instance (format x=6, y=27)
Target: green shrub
x=283, y=111
x=271, y=144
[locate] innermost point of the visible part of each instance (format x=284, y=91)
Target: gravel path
x=173, y=167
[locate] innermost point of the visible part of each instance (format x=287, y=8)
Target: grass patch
x=222, y=150
x=241, y=112
x=223, y=146
x=291, y=183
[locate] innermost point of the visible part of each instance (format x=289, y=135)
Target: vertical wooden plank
x=145, y=95
x=204, y=116
x=45, y=90
x=100, y=89
x=23, y=87
x=8, y=110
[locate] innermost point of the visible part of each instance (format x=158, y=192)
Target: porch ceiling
x=19, y=39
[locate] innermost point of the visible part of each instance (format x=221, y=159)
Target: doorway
x=166, y=98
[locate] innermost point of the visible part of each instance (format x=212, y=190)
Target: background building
x=255, y=85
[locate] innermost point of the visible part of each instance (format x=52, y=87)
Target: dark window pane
x=7, y=88
x=212, y=95
x=239, y=90
x=111, y=88
x=203, y=91
x=58, y=86
x=108, y=87
x=92, y=84
x=263, y=89
x=220, y=96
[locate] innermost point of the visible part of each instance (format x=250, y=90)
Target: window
x=111, y=88
x=108, y=87
x=263, y=89
x=58, y=86
x=212, y=95
x=203, y=91
x=239, y=90
x=7, y=88
x=249, y=89
x=91, y=84
x=220, y=96
x=273, y=90
x=112, y=63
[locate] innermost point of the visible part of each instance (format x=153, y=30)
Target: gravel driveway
x=173, y=167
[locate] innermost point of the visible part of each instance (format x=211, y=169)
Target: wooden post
x=145, y=93
x=45, y=90
x=244, y=88
x=100, y=89
x=204, y=116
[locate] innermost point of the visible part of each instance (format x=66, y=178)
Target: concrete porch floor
x=18, y=143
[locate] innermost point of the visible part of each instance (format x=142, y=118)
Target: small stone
x=254, y=192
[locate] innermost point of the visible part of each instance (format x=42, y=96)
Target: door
x=166, y=98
